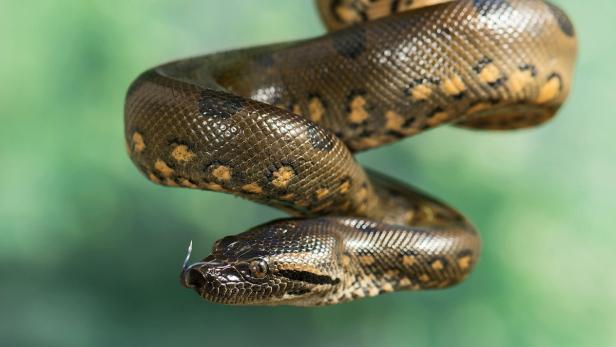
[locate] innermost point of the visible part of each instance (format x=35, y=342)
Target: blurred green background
x=90, y=251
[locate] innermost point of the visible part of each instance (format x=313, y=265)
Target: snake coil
x=278, y=125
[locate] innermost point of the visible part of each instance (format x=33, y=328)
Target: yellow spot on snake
x=163, y=168
x=453, y=86
x=169, y=182
x=408, y=260
x=421, y=92
x=394, y=120
x=287, y=197
x=392, y=273
x=358, y=112
x=362, y=193
x=444, y=284
x=549, y=91
x=359, y=293
x=153, y=178
x=212, y=186
x=368, y=142
x=186, y=183
x=283, y=176
x=490, y=74
x=222, y=173
x=405, y=282
x=429, y=213
x=297, y=110
x=373, y=291
x=345, y=187
x=409, y=216
x=437, y=118
x=252, y=188
x=478, y=107
x=322, y=193
x=316, y=109
x=437, y=265
x=424, y=278
x=348, y=15
x=181, y=153
x=138, y=142
x=519, y=80
x=388, y=288
x=464, y=262
x=366, y=259
x=346, y=260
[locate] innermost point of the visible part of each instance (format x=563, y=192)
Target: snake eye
x=258, y=268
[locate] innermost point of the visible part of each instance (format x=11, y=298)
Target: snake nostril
x=194, y=279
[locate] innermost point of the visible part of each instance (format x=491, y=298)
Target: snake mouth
x=193, y=278
x=215, y=281
x=197, y=277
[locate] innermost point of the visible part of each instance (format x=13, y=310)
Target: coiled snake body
x=278, y=125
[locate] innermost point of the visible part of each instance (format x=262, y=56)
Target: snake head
x=292, y=262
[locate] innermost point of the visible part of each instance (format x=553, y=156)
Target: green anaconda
x=279, y=124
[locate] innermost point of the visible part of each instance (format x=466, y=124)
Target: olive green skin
x=278, y=125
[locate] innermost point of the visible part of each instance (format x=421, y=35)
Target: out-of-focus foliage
x=90, y=251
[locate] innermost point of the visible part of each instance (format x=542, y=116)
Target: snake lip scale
x=279, y=125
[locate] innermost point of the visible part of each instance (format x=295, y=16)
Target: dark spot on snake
x=367, y=227
x=395, y=5
x=409, y=251
x=350, y=43
x=308, y=277
x=300, y=291
x=319, y=138
x=366, y=133
x=395, y=134
x=214, y=103
x=435, y=111
x=445, y=33
x=408, y=122
x=265, y=60
x=563, y=20
x=459, y=96
x=529, y=67
x=485, y=7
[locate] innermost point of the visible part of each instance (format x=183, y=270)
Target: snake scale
x=278, y=125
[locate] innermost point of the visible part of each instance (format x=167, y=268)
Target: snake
x=279, y=124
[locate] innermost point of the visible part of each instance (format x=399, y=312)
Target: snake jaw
x=227, y=282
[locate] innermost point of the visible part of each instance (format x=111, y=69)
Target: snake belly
x=279, y=124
